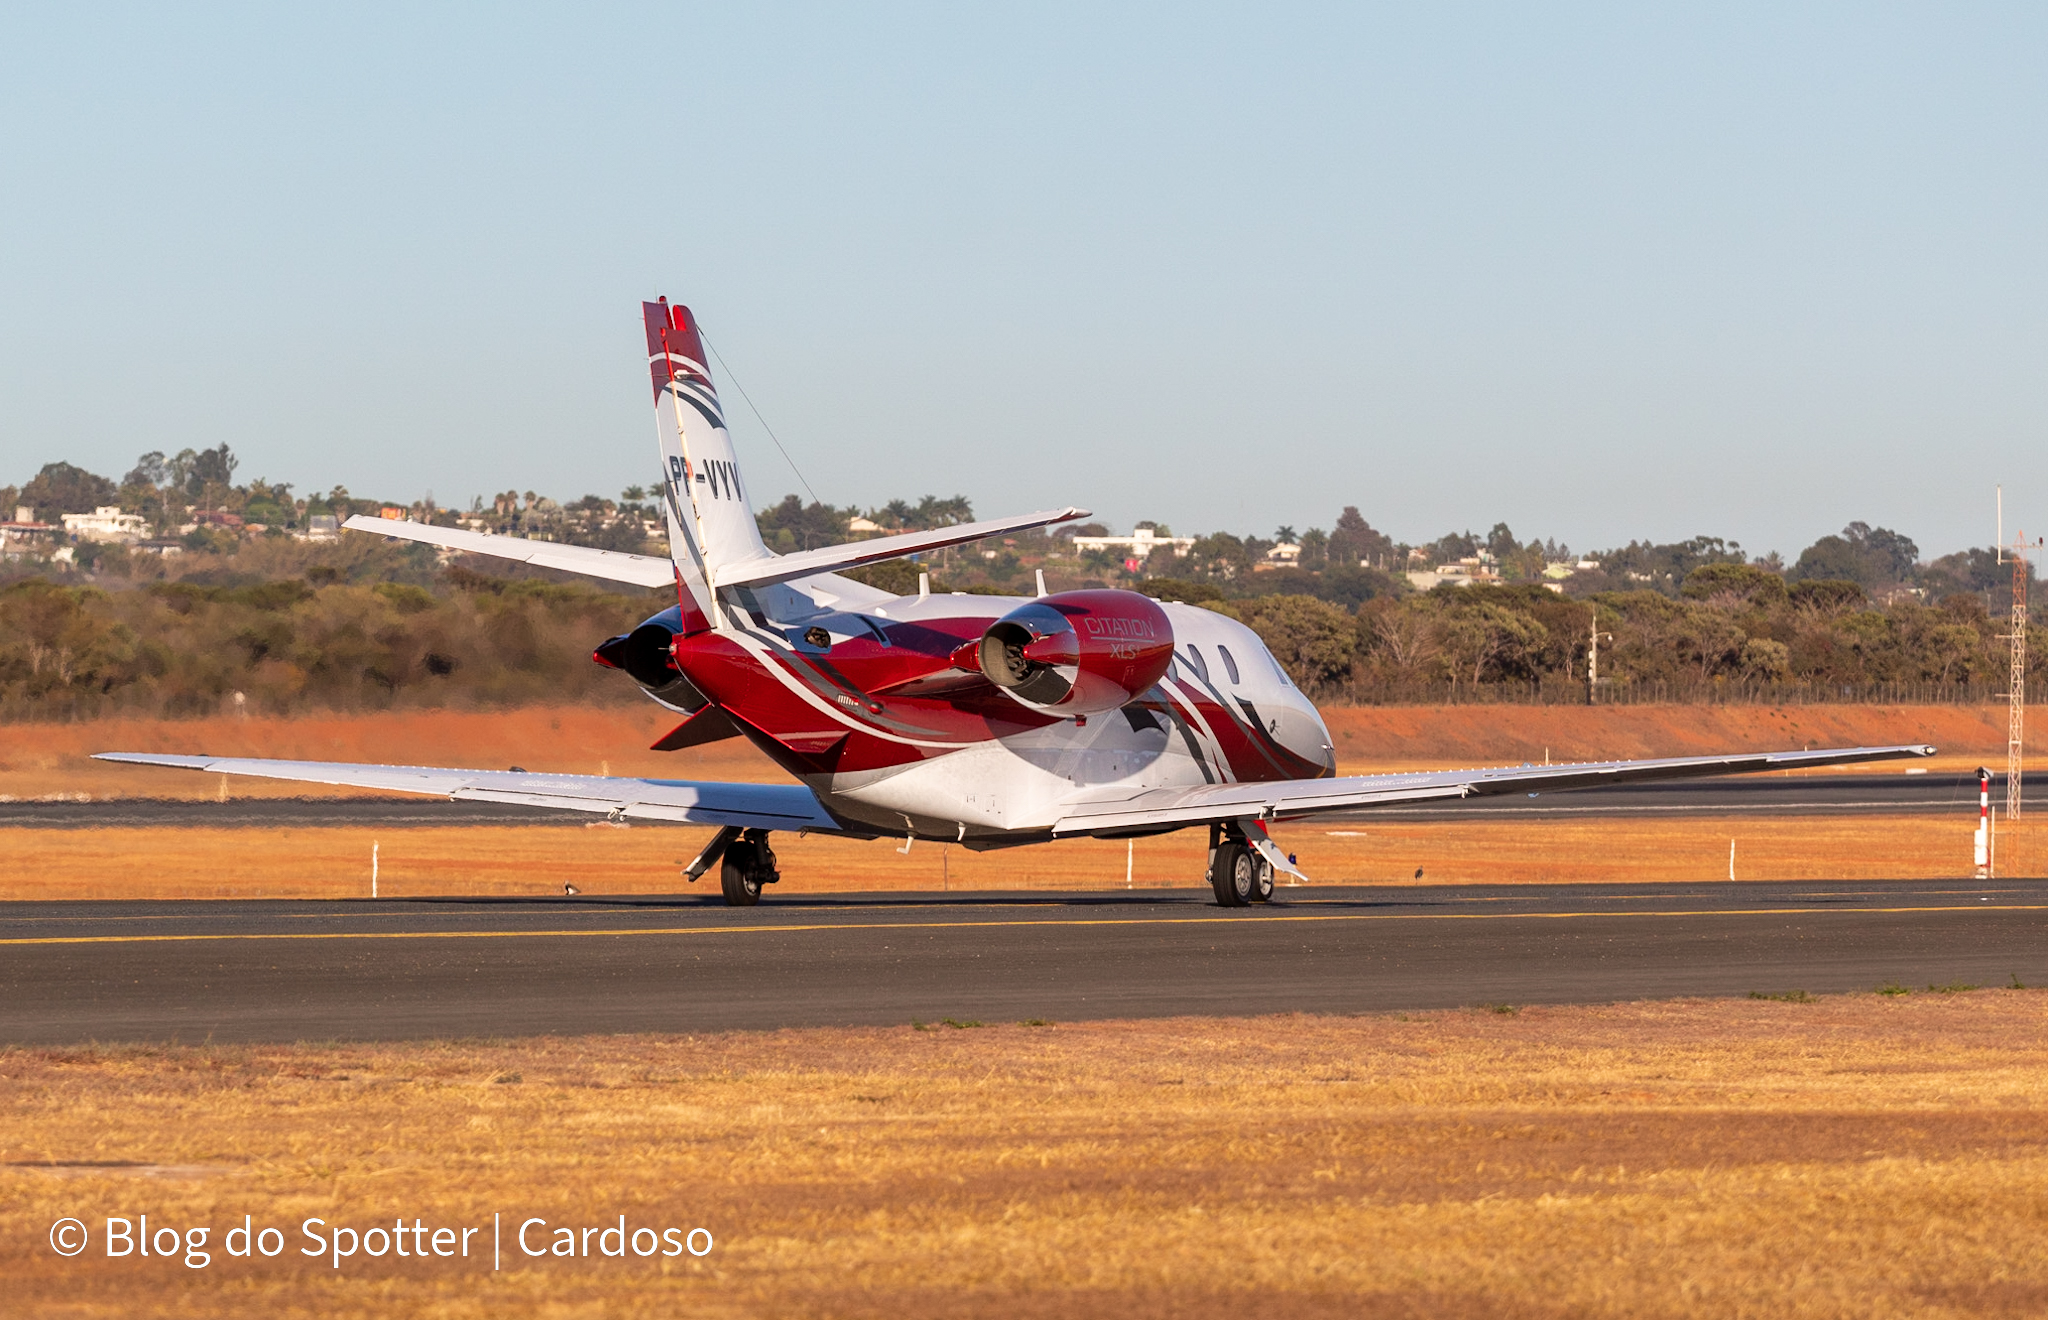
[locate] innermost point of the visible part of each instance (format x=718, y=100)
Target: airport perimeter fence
x=1562, y=692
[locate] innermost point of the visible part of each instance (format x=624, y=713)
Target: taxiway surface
x=278, y=971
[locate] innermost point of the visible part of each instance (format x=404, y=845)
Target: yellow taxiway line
x=957, y=925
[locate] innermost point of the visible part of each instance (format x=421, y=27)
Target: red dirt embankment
x=1413, y=737
x=43, y=760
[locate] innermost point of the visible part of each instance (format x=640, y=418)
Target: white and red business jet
x=984, y=720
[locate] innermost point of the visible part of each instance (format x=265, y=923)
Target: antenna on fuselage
x=924, y=587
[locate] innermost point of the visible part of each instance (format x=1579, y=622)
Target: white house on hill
x=106, y=523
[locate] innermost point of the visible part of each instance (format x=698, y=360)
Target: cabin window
x=1196, y=663
x=1229, y=663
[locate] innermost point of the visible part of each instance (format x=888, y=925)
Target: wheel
x=1233, y=871
x=1262, y=879
x=739, y=880
x=739, y=874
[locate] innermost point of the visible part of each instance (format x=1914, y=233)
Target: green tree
x=61, y=488
x=792, y=525
x=1219, y=555
x=1953, y=652
x=1486, y=637
x=1764, y=658
x=1826, y=595
x=1314, y=641
x=1354, y=542
x=1871, y=557
x=1193, y=593
x=213, y=470
x=1744, y=582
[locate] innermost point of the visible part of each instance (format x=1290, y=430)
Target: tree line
x=297, y=644
x=361, y=622
x=1730, y=627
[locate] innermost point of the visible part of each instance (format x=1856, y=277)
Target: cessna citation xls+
x=982, y=720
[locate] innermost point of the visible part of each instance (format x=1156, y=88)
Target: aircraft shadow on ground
x=1180, y=898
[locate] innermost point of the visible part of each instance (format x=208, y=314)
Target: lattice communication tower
x=2016, y=688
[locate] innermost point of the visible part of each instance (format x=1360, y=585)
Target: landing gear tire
x=1233, y=874
x=1262, y=879
x=740, y=886
x=749, y=863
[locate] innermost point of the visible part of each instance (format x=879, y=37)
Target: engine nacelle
x=647, y=654
x=1078, y=652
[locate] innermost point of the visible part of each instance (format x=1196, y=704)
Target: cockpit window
x=1196, y=663
x=1229, y=663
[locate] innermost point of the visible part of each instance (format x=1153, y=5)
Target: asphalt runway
x=1820, y=795
x=468, y=968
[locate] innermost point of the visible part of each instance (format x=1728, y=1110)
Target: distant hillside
x=246, y=588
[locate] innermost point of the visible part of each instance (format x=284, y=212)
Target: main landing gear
x=748, y=864
x=1238, y=874
x=745, y=863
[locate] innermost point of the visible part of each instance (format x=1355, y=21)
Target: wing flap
x=1294, y=798
x=696, y=802
x=611, y=565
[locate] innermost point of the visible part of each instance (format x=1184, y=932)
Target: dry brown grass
x=41, y=760
x=1850, y=1156
x=604, y=859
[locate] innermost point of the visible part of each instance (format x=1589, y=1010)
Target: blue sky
x=1601, y=272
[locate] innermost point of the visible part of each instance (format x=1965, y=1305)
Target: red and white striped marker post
x=1983, y=823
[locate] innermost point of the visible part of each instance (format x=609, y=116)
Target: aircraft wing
x=835, y=558
x=751, y=806
x=611, y=565
x=1111, y=813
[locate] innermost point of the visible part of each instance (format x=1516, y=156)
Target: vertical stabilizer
x=710, y=517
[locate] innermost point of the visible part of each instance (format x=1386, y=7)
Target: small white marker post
x=1130, y=855
x=373, y=868
x=1983, y=849
x=1731, y=859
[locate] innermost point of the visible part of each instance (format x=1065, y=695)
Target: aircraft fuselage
x=875, y=710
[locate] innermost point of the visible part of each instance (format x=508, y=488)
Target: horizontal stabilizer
x=836, y=558
x=611, y=565
x=1122, y=811
x=751, y=806
x=708, y=725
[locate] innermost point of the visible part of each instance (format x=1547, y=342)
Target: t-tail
x=710, y=518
